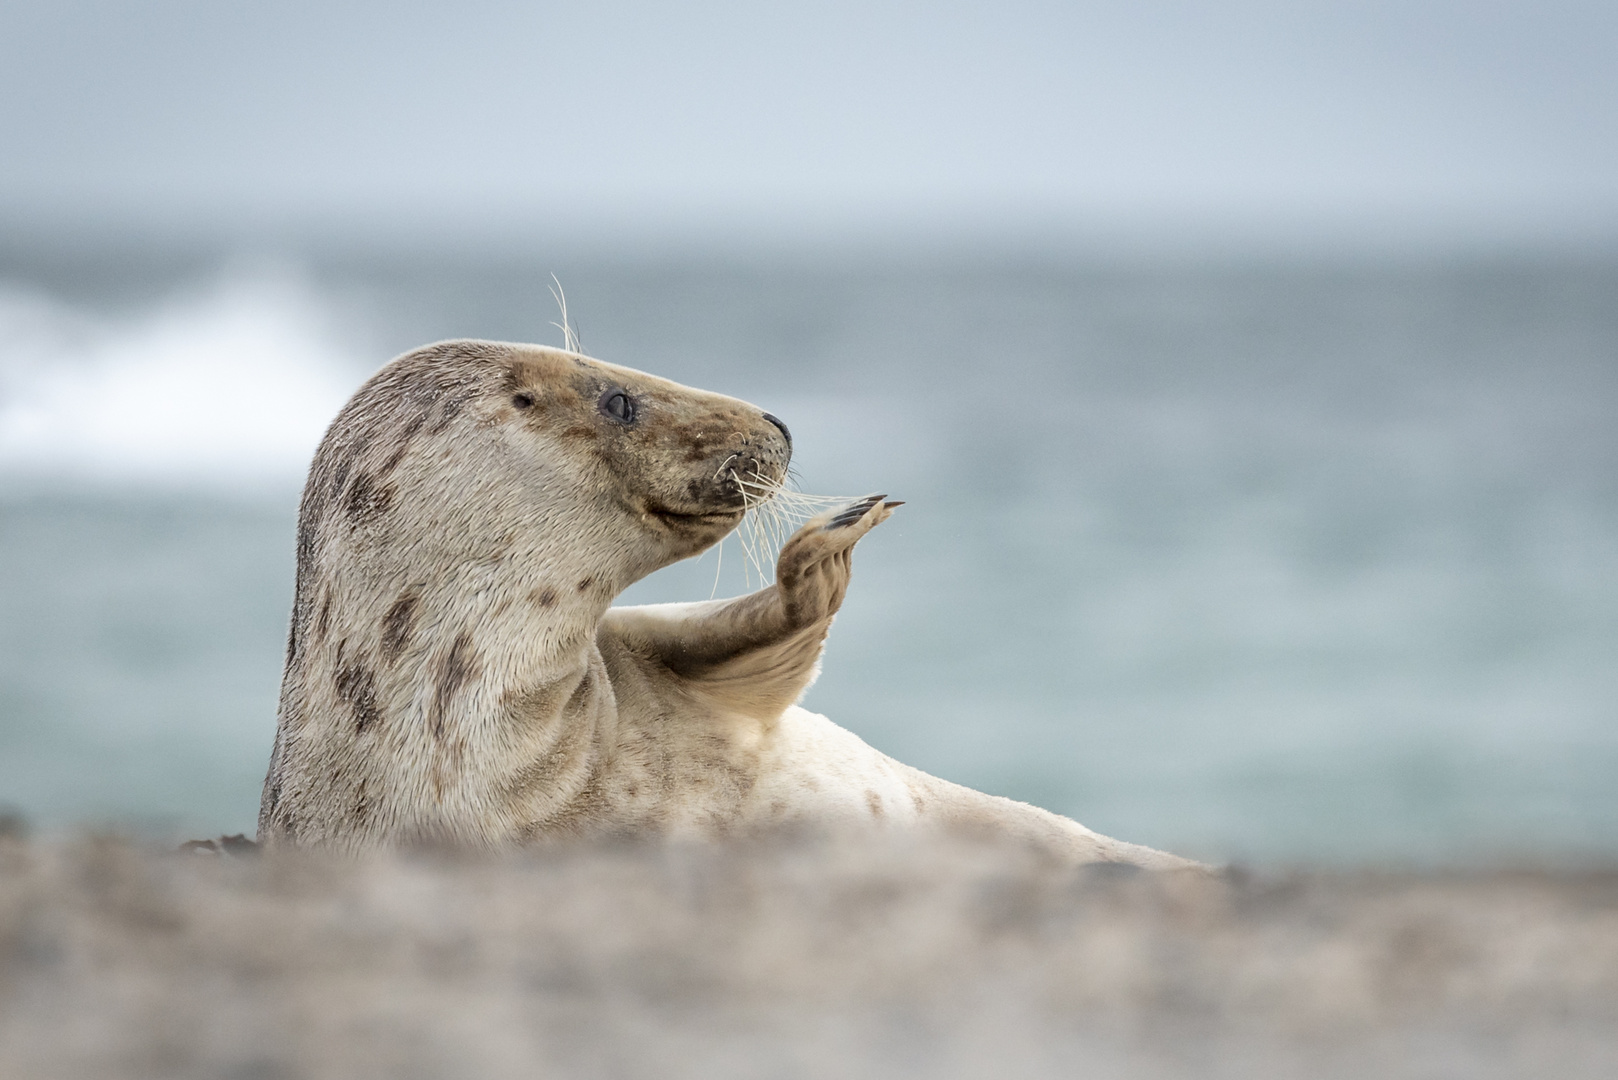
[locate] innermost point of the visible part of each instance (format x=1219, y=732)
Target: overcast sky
x=1480, y=116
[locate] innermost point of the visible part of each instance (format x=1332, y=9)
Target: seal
x=455, y=672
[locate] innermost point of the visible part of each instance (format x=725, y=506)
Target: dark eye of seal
x=618, y=405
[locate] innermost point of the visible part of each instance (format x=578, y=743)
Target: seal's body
x=455, y=672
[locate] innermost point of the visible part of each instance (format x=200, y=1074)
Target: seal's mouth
x=681, y=519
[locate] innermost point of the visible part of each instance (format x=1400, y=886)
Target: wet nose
x=776, y=420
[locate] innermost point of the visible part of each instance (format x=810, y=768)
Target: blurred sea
x=1294, y=561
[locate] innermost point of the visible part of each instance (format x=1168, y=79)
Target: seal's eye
x=523, y=401
x=618, y=405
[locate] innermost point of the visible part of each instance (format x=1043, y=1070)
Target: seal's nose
x=776, y=420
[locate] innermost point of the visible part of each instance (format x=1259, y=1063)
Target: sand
x=802, y=957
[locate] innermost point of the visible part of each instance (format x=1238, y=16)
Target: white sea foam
x=228, y=384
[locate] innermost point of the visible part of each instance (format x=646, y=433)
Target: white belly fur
x=811, y=769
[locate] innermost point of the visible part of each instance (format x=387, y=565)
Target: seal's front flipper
x=758, y=653
x=813, y=570
x=853, y=512
x=740, y=654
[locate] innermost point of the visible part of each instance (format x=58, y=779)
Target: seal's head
x=485, y=452
x=468, y=518
x=671, y=462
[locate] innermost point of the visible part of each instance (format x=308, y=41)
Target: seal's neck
x=531, y=611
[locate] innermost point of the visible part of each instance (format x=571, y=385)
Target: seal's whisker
x=773, y=512
x=780, y=520
x=570, y=337
x=793, y=503
x=758, y=495
x=779, y=488
x=753, y=536
x=783, y=527
x=761, y=525
x=750, y=541
x=769, y=541
x=726, y=464
x=719, y=564
x=763, y=547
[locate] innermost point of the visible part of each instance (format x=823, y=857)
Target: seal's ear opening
x=523, y=400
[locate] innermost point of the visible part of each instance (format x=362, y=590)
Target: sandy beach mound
x=803, y=957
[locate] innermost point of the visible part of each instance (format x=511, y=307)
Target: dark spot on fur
x=585, y=583
x=455, y=670
x=338, y=479
x=581, y=694
x=874, y=801
x=921, y=803
x=367, y=499
x=323, y=621
x=579, y=431
x=425, y=394
x=357, y=686
x=501, y=548
x=398, y=622
x=307, y=536
x=448, y=765
x=348, y=455
x=545, y=597
x=406, y=436
x=450, y=407
x=362, y=803
x=307, y=539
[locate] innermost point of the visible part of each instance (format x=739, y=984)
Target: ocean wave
x=231, y=383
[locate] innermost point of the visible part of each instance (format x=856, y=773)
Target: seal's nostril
x=776, y=420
